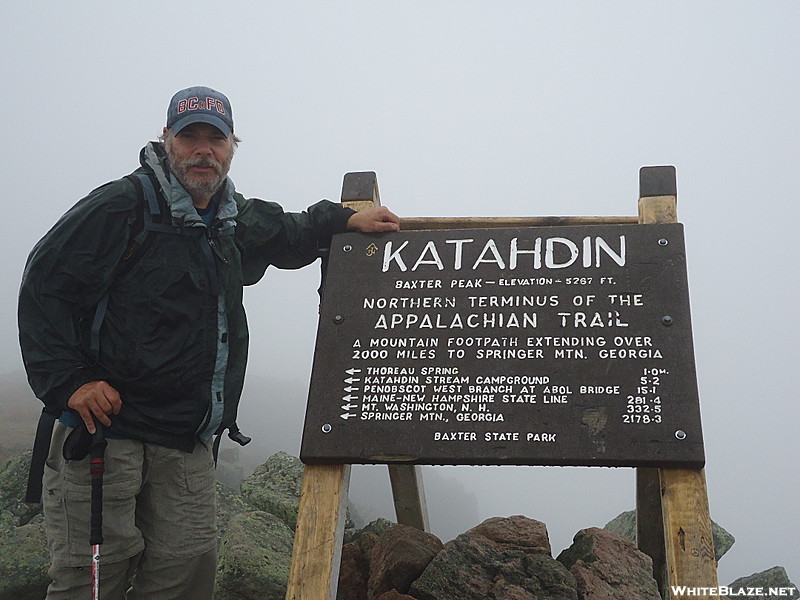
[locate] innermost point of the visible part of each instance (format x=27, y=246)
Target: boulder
x=776, y=577
x=254, y=558
x=394, y=595
x=274, y=487
x=608, y=566
x=24, y=561
x=625, y=524
x=229, y=504
x=516, y=532
x=366, y=541
x=353, y=573
x=13, y=483
x=398, y=558
x=723, y=540
x=378, y=526
x=500, y=559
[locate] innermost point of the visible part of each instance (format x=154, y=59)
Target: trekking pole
x=97, y=467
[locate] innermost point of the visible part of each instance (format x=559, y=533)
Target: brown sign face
x=530, y=346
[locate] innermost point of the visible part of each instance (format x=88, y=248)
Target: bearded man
x=130, y=314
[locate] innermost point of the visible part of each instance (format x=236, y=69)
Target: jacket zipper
x=214, y=247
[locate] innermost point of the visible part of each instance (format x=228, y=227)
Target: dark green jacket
x=174, y=337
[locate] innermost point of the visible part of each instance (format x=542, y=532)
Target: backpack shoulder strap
x=148, y=218
x=41, y=448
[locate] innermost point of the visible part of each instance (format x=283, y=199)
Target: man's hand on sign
x=374, y=220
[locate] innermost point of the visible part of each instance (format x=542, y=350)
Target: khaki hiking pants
x=159, y=522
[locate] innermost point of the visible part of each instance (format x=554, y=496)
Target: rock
x=354, y=570
x=516, y=531
x=13, y=483
x=24, y=561
x=723, y=541
x=776, y=577
x=275, y=486
x=500, y=559
x=608, y=566
x=366, y=542
x=398, y=558
x=394, y=595
x=229, y=504
x=353, y=573
x=378, y=526
x=254, y=558
x=625, y=525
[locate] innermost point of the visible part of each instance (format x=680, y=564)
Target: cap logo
x=198, y=104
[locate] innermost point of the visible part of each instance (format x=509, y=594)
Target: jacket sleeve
x=67, y=273
x=267, y=235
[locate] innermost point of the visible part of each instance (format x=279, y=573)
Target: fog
x=463, y=108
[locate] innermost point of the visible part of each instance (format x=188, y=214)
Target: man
x=131, y=314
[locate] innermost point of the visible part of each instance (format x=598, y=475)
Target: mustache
x=202, y=162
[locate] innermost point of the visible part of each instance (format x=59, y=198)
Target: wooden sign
x=528, y=346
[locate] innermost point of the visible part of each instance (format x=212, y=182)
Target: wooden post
x=650, y=525
x=360, y=192
x=687, y=528
x=317, y=551
x=409, y=496
x=673, y=524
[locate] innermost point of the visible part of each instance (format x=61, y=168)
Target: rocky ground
x=503, y=558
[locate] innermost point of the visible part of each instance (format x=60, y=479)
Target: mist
x=462, y=108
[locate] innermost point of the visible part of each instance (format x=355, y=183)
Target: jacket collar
x=154, y=159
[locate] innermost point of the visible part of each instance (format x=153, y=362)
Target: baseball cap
x=200, y=104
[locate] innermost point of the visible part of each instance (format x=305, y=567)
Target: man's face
x=200, y=156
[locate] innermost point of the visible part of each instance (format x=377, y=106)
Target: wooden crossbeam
x=428, y=223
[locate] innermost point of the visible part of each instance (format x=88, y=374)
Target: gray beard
x=201, y=188
x=198, y=190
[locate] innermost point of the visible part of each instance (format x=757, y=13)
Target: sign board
x=524, y=346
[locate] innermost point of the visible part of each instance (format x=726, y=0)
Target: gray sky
x=463, y=109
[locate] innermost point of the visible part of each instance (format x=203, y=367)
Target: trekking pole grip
x=97, y=467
